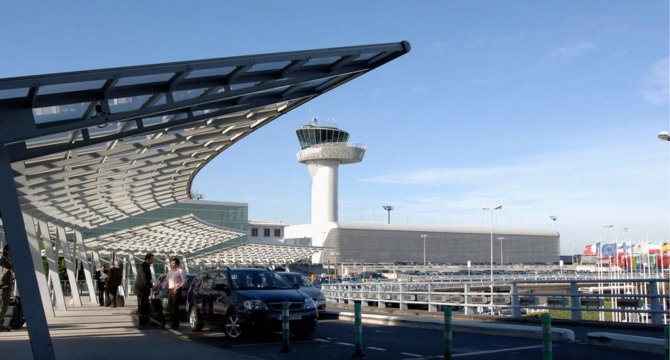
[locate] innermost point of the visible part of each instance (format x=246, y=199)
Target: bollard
x=666, y=331
x=546, y=337
x=358, y=332
x=447, y=333
x=285, y=331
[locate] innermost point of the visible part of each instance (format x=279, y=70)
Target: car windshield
x=258, y=280
x=297, y=279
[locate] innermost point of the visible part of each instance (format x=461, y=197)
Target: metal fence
x=619, y=300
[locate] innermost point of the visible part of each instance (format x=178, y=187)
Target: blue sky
x=545, y=107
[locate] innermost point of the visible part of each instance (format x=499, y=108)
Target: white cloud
x=656, y=83
x=625, y=184
x=571, y=51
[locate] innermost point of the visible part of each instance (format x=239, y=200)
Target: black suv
x=246, y=300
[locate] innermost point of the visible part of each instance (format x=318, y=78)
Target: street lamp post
x=616, y=250
x=502, y=263
x=572, y=252
x=491, y=210
x=424, y=249
x=388, y=208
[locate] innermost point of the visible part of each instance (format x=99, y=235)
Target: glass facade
x=310, y=135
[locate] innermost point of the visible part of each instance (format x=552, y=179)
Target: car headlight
x=309, y=304
x=321, y=297
x=254, y=305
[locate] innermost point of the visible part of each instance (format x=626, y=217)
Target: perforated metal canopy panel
x=178, y=236
x=250, y=254
x=92, y=147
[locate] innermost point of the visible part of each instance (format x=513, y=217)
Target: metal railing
x=620, y=300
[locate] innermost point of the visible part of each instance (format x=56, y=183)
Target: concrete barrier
x=630, y=342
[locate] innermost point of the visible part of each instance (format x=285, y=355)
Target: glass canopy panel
x=13, y=93
x=187, y=94
x=366, y=56
x=119, y=105
x=269, y=66
x=144, y=79
x=71, y=87
x=155, y=120
x=322, y=60
x=210, y=72
x=49, y=114
x=243, y=85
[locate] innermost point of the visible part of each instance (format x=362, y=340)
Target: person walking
x=175, y=281
x=114, y=278
x=143, y=287
x=6, y=285
x=101, y=279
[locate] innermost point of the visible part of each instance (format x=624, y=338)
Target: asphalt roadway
x=334, y=339
x=93, y=332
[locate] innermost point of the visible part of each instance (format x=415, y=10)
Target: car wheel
x=233, y=327
x=194, y=319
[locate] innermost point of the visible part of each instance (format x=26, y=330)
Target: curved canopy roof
x=183, y=235
x=92, y=147
x=251, y=254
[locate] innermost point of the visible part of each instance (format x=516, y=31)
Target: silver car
x=297, y=279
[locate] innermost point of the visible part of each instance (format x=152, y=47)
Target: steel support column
x=86, y=264
x=52, y=259
x=17, y=239
x=38, y=265
x=69, y=266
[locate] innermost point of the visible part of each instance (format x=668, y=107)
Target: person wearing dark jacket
x=101, y=279
x=114, y=279
x=143, y=287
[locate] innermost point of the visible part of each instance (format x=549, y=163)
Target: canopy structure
x=82, y=149
x=96, y=146
x=253, y=254
x=184, y=235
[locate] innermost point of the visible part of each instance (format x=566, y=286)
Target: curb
x=629, y=342
x=527, y=331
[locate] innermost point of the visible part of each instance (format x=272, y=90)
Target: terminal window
x=266, y=232
x=277, y=232
x=254, y=232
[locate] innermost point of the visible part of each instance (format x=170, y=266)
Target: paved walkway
x=94, y=332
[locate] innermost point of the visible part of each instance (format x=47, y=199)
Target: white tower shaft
x=324, y=175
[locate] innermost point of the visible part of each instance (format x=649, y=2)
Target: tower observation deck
x=324, y=148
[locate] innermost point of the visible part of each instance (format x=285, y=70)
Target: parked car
x=243, y=301
x=163, y=295
x=306, y=286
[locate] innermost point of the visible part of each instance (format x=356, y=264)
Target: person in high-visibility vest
x=312, y=278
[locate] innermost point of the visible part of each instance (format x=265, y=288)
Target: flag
x=654, y=247
x=590, y=249
x=608, y=249
x=665, y=247
x=623, y=248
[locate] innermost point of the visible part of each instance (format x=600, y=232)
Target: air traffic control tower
x=323, y=149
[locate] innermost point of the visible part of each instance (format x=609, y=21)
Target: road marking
x=322, y=340
x=410, y=354
x=345, y=344
x=376, y=348
x=497, y=351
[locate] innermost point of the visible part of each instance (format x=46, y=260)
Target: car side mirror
x=296, y=286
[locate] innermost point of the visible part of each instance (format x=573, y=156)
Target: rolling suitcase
x=156, y=315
